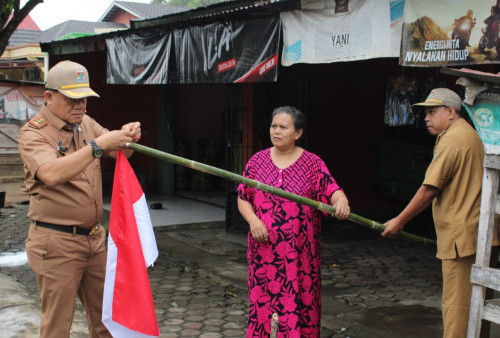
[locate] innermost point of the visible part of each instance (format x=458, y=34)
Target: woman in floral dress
x=284, y=274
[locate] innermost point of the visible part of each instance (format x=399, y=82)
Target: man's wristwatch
x=96, y=150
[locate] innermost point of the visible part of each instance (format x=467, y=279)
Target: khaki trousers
x=457, y=290
x=67, y=265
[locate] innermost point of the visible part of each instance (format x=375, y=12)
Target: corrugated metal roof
x=23, y=36
x=26, y=36
x=473, y=74
x=218, y=10
x=140, y=10
x=212, y=13
x=75, y=26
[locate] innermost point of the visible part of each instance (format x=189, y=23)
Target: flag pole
x=270, y=189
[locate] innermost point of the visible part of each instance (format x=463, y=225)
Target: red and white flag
x=128, y=308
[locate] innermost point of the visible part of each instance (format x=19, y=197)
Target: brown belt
x=68, y=228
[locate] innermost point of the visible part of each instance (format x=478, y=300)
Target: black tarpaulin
x=139, y=59
x=228, y=51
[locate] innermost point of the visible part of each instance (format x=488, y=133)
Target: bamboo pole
x=274, y=326
x=275, y=191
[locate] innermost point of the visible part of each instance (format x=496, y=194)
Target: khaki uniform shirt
x=77, y=202
x=457, y=171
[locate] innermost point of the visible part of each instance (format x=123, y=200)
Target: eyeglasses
x=74, y=101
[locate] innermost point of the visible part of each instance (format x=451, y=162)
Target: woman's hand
x=259, y=231
x=257, y=228
x=341, y=203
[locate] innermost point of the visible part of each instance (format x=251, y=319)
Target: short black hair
x=297, y=116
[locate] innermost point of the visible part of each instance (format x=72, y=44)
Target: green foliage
x=8, y=5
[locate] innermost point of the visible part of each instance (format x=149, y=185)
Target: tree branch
x=17, y=17
x=5, y=10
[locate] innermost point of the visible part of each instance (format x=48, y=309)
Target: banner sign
x=397, y=10
x=451, y=33
x=15, y=105
x=137, y=59
x=485, y=113
x=229, y=51
x=344, y=30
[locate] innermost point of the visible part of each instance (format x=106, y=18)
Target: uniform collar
x=54, y=120
x=455, y=124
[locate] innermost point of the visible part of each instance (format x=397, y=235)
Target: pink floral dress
x=284, y=274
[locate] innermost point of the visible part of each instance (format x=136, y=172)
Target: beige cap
x=70, y=79
x=442, y=97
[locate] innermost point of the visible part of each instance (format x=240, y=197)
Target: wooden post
x=485, y=234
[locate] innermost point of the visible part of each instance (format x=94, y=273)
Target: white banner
x=342, y=30
x=14, y=104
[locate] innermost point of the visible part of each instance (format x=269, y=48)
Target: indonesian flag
x=128, y=308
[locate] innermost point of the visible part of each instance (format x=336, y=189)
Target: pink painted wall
x=123, y=17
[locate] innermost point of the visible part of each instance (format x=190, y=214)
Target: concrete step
x=11, y=170
x=10, y=158
x=11, y=165
x=12, y=179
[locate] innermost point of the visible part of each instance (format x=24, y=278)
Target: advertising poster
x=485, y=114
x=450, y=32
x=343, y=30
x=230, y=51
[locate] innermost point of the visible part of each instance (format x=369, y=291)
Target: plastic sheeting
x=230, y=51
x=401, y=94
x=137, y=59
x=222, y=52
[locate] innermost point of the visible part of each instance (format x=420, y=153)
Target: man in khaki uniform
x=453, y=184
x=61, y=148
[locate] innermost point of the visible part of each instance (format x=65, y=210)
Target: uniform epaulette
x=38, y=122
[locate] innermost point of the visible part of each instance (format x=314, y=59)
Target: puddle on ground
x=13, y=259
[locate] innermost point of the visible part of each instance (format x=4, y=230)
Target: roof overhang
x=113, y=9
x=202, y=15
x=20, y=82
x=21, y=63
x=220, y=10
x=473, y=75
